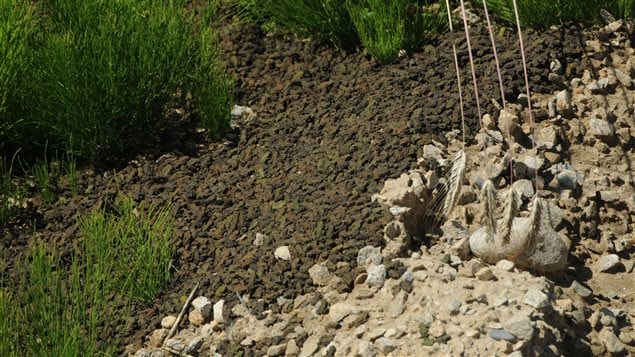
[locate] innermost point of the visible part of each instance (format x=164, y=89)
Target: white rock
x=607, y=262
x=218, y=311
x=536, y=299
x=319, y=274
x=376, y=275
x=168, y=321
x=282, y=253
x=369, y=255
x=601, y=128
x=203, y=305
x=505, y=265
x=365, y=349
x=276, y=350
x=260, y=239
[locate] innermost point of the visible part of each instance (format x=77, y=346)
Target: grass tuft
x=386, y=27
x=102, y=73
x=63, y=306
x=541, y=13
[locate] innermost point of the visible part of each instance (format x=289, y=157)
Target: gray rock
x=611, y=342
x=533, y=163
x=175, y=344
x=385, y=345
x=282, y=253
x=569, y=179
x=193, y=346
x=454, y=306
x=581, y=289
x=520, y=326
x=536, y=299
x=601, y=128
x=398, y=305
x=607, y=262
x=524, y=188
x=203, y=305
x=623, y=78
x=554, y=213
x=501, y=335
x=432, y=152
x=369, y=255
x=376, y=275
x=320, y=275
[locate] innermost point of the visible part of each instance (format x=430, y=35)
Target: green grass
x=17, y=29
x=542, y=13
x=319, y=19
x=10, y=194
x=102, y=74
x=382, y=27
x=63, y=308
x=386, y=27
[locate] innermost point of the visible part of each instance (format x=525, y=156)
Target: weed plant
x=386, y=27
x=61, y=308
x=542, y=13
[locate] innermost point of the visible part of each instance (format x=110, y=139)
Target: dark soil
x=330, y=128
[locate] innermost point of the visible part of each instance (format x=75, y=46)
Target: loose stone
x=536, y=299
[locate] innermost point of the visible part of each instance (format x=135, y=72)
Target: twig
x=178, y=319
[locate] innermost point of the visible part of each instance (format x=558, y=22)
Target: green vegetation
x=545, y=12
x=383, y=27
x=61, y=308
x=17, y=29
x=101, y=74
x=386, y=27
x=10, y=194
x=321, y=19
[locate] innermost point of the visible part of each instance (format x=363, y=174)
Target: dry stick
x=178, y=319
x=531, y=117
x=469, y=52
x=456, y=67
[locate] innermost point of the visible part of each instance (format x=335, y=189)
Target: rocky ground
x=276, y=222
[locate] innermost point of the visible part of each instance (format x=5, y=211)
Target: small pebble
x=607, y=262
x=501, y=335
x=581, y=289
x=485, y=274
x=536, y=299
x=168, y=321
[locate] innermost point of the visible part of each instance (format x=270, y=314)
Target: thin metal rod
x=458, y=71
x=469, y=51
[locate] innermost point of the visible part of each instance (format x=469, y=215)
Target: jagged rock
x=536, y=299
x=320, y=275
x=282, y=253
x=218, y=311
x=607, y=262
x=203, y=305
x=611, y=342
x=520, y=326
x=376, y=275
x=369, y=255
